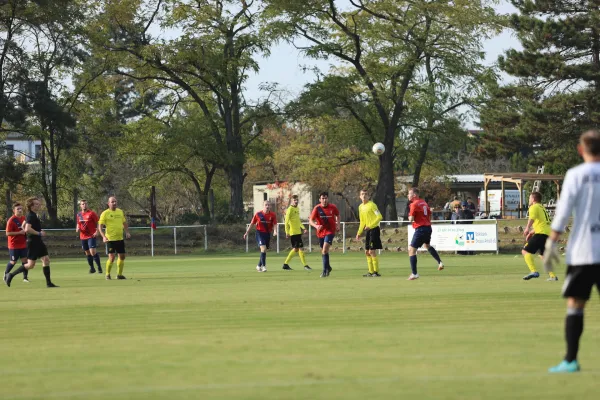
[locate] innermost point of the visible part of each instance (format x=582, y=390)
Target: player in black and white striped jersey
x=580, y=197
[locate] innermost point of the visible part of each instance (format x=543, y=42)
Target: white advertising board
x=469, y=237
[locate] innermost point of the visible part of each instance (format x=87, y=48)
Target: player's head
x=18, y=209
x=364, y=196
x=33, y=204
x=535, y=197
x=295, y=200
x=266, y=206
x=469, y=200
x=413, y=193
x=464, y=205
x=112, y=203
x=83, y=205
x=324, y=198
x=589, y=145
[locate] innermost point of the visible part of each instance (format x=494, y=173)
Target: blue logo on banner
x=471, y=237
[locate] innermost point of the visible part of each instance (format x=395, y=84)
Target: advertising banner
x=467, y=237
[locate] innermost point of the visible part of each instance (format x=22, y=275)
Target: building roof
x=464, y=178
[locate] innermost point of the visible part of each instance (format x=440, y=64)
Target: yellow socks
x=370, y=264
x=302, y=259
x=375, y=261
x=109, y=265
x=530, y=261
x=290, y=256
x=552, y=275
x=120, y=265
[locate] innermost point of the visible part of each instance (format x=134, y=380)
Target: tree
x=207, y=63
x=383, y=44
x=557, y=95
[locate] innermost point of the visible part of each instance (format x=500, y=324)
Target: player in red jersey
x=87, y=226
x=420, y=216
x=17, y=240
x=325, y=218
x=265, y=222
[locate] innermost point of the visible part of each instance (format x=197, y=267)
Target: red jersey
x=87, y=221
x=15, y=224
x=421, y=213
x=264, y=221
x=325, y=216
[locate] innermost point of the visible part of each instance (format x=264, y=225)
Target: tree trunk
x=8, y=203
x=420, y=162
x=235, y=175
x=385, y=196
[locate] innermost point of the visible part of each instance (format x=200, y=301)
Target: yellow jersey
x=369, y=216
x=541, y=220
x=113, y=221
x=293, y=226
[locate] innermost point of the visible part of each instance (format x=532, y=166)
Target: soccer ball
x=378, y=148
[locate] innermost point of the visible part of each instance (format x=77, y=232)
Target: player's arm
x=31, y=231
x=564, y=208
x=95, y=216
x=532, y=217
x=361, y=227
x=378, y=217
x=274, y=226
x=287, y=222
x=126, y=227
x=312, y=220
x=411, y=212
x=250, y=225
x=14, y=233
x=77, y=224
x=101, y=228
x=338, y=220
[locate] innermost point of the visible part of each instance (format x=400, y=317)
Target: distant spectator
x=467, y=216
x=471, y=206
x=455, y=203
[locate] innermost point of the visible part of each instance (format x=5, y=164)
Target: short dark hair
x=16, y=205
x=324, y=194
x=415, y=190
x=295, y=196
x=590, y=141
x=537, y=196
x=455, y=197
x=468, y=198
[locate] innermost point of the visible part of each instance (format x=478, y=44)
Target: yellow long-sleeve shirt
x=293, y=226
x=369, y=215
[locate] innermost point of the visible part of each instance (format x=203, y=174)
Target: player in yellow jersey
x=536, y=233
x=294, y=230
x=370, y=217
x=115, y=222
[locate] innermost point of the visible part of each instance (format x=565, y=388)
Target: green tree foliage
x=384, y=46
x=557, y=95
x=206, y=62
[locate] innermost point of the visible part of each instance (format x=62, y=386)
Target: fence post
x=205, y=238
x=344, y=237
x=175, y=238
x=277, y=227
x=246, y=240
x=151, y=242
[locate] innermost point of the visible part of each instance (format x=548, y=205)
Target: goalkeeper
x=580, y=197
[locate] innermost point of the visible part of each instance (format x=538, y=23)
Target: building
x=23, y=148
x=280, y=195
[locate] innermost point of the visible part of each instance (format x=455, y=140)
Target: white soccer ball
x=378, y=148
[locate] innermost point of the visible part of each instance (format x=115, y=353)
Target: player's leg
x=46, y=270
x=431, y=249
x=120, y=265
x=369, y=264
x=375, y=238
x=94, y=252
x=532, y=246
x=21, y=254
x=325, y=245
x=88, y=255
x=110, y=259
x=11, y=263
x=32, y=255
x=551, y=274
x=416, y=242
x=291, y=254
x=579, y=282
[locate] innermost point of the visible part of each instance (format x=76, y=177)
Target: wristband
x=40, y=233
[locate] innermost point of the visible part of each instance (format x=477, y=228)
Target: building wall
x=24, y=149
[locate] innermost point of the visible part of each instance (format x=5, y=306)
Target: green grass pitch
x=211, y=327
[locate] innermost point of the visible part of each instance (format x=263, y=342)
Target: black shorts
x=296, y=241
x=421, y=236
x=36, y=249
x=580, y=280
x=116, y=246
x=373, y=239
x=15, y=254
x=536, y=243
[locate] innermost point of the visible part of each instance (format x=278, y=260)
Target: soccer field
x=211, y=327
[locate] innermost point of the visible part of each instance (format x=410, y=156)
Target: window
x=265, y=196
x=38, y=152
x=10, y=150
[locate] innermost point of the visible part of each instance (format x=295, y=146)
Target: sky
x=284, y=65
